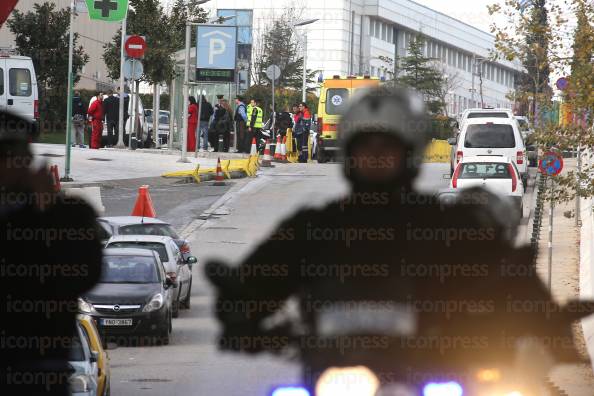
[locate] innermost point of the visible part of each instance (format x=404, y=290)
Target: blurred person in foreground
x=389, y=264
x=51, y=253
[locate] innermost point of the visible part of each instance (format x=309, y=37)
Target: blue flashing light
x=290, y=391
x=443, y=389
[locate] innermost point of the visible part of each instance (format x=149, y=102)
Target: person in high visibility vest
x=254, y=114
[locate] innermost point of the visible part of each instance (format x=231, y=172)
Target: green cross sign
x=107, y=10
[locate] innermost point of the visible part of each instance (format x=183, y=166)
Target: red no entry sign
x=135, y=46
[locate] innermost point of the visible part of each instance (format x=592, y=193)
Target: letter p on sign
x=216, y=47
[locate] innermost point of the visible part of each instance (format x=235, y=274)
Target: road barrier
x=438, y=151
x=144, y=204
x=231, y=169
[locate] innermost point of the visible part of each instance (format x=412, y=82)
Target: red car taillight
x=520, y=157
x=456, y=175
x=36, y=109
x=459, y=155
x=320, y=125
x=513, y=177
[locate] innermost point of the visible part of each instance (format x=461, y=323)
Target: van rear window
x=336, y=100
x=488, y=115
x=489, y=136
x=19, y=82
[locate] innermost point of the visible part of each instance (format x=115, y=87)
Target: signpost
x=562, y=83
x=273, y=73
x=551, y=164
x=216, y=53
x=135, y=46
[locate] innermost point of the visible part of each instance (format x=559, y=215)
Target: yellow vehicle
x=104, y=373
x=334, y=96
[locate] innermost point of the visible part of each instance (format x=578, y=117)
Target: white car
x=492, y=136
x=470, y=114
x=497, y=174
x=177, y=269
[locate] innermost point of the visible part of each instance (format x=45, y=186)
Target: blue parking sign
x=216, y=48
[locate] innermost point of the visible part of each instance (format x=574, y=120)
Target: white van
x=18, y=86
x=492, y=136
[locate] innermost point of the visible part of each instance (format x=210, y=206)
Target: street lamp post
x=186, y=91
x=298, y=24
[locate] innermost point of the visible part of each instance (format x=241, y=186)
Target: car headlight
x=347, y=381
x=79, y=383
x=155, y=303
x=84, y=306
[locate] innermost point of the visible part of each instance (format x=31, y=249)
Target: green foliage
x=147, y=101
x=417, y=72
x=43, y=35
x=165, y=34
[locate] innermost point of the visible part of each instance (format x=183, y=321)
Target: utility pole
x=67, y=177
x=122, y=95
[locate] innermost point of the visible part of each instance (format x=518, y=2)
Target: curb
x=208, y=154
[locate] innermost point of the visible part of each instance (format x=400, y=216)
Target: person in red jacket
x=95, y=114
x=192, y=123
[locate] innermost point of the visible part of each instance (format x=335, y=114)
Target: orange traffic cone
x=56, y=178
x=284, y=149
x=277, y=149
x=267, y=159
x=219, y=176
x=253, y=149
x=144, y=204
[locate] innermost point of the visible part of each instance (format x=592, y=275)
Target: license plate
x=116, y=322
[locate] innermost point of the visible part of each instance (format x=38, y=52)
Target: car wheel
x=189, y=297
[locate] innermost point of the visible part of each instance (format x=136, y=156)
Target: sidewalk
x=575, y=380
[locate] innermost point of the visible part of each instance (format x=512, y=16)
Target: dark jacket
x=222, y=123
x=111, y=107
x=78, y=107
x=206, y=111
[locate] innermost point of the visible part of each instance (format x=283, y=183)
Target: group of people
x=101, y=109
x=216, y=123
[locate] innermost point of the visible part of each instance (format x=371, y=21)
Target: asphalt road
x=191, y=364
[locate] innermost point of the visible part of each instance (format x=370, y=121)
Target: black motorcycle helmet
x=396, y=120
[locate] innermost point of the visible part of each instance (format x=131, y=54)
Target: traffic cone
x=219, y=176
x=253, y=149
x=56, y=178
x=144, y=204
x=284, y=150
x=267, y=159
x=277, y=149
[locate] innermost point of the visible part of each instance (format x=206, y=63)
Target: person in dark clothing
x=206, y=111
x=111, y=108
x=221, y=126
x=79, y=120
x=126, y=97
x=301, y=132
x=385, y=245
x=51, y=253
x=240, y=118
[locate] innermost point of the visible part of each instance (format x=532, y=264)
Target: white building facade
x=356, y=37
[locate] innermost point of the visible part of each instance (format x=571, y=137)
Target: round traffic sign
x=551, y=163
x=273, y=72
x=133, y=69
x=562, y=83
x=135, y=46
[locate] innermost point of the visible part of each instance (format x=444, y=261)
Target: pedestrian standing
x=302, y=127
x=221, y=125
x=227, y=124
x=95, y=115
x=206, y=112
x=79, y=112
x=240, y=118
x=111, y=108
x=192, y=124
x=255, y=116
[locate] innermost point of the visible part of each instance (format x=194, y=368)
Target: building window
x=371, y=27
x=378, y=28
x=390, y=31
x=372, y=71
x=384, y=32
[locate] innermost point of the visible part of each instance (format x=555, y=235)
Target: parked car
x=137, y=225
x=163, y=134
x=83, y=360
x=18, y=87
x=176, y=268
x=491, y=136
x=133, y=295
x=91, y=332
x=497, y=174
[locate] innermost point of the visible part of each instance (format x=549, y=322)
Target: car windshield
x=484, y=170
x=489, y=115
x=336, y=101
x=489, y=136
x=155, y=246
x=128, y=269
x=148, y=229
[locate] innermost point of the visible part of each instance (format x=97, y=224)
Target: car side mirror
x=169, y=282
x=94, y=356
x=191, y=261
x=452, y=141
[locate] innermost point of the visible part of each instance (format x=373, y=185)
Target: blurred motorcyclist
x=423, y=269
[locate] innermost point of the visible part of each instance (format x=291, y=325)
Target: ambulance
x=334, y=97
